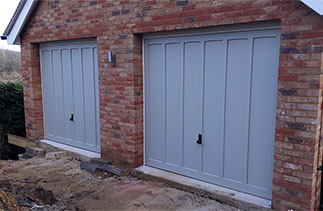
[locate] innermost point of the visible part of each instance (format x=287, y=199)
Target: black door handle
x=72, y=117
x=199, y=140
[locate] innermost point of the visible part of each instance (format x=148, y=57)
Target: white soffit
x=13, y=37
x=316, y=5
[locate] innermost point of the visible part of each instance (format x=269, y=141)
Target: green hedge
x=12, y=118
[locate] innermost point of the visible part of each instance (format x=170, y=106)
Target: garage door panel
x=193, y=92
x=89, y=96
x=264, y=81
x=49, y=103
x=156, y=105
x=68, y=93
x=214, y=96
x=70, y=81
x=174, y=103
x=222, y=86
x=96, y=78
x=78, y=92
x=58, y=95
x=237, y=109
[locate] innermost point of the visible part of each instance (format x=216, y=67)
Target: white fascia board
x=13, y=37
x=316, y=5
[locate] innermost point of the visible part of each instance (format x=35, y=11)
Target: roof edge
x=20, y=17
x=25, y=8
x=14, y=17
x=316, y=5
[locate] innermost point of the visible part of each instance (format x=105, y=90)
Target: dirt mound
x=31, y=181
x=8, y=203
x=25, y=196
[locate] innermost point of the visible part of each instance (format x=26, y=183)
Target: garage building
x=226, y=92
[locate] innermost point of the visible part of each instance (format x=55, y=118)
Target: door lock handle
x=72, y=117
x=199, y=140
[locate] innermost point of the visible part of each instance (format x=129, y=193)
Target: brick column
x=298, y=125
x=32, y=90
x=121, y=99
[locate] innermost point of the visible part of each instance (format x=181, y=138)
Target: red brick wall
x=32, y=90
x=118, y=25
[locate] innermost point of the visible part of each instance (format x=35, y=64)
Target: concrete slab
x=56, y=155
x=225, y=195
x=71, y=149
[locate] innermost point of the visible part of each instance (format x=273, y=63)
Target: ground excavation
x=51, y=184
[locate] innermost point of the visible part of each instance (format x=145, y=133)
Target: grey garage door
x=210, y=107
x=70, y=94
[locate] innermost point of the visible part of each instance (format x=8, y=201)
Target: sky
x=7, y=9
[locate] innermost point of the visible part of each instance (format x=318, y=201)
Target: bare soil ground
x=43, y=184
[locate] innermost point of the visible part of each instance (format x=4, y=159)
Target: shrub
x=12, y=118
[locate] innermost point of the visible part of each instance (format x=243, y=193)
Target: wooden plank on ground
x=20, y=141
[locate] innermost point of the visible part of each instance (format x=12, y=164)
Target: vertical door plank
x=77, y=70
x=68, y=94
x=48, y=94
x=156, y=103
x=58, y=95
x=214, y=97
x=263, y=110
x=96, y=84
x=237, y=110
x=193, y=95
x=89, y=96
x=174, y=103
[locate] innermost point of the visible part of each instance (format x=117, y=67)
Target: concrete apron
x=224, y=195
x=77, y=153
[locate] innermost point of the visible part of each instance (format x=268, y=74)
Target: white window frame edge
x=13, y=37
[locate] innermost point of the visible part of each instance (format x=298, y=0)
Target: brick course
x=118, y=26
